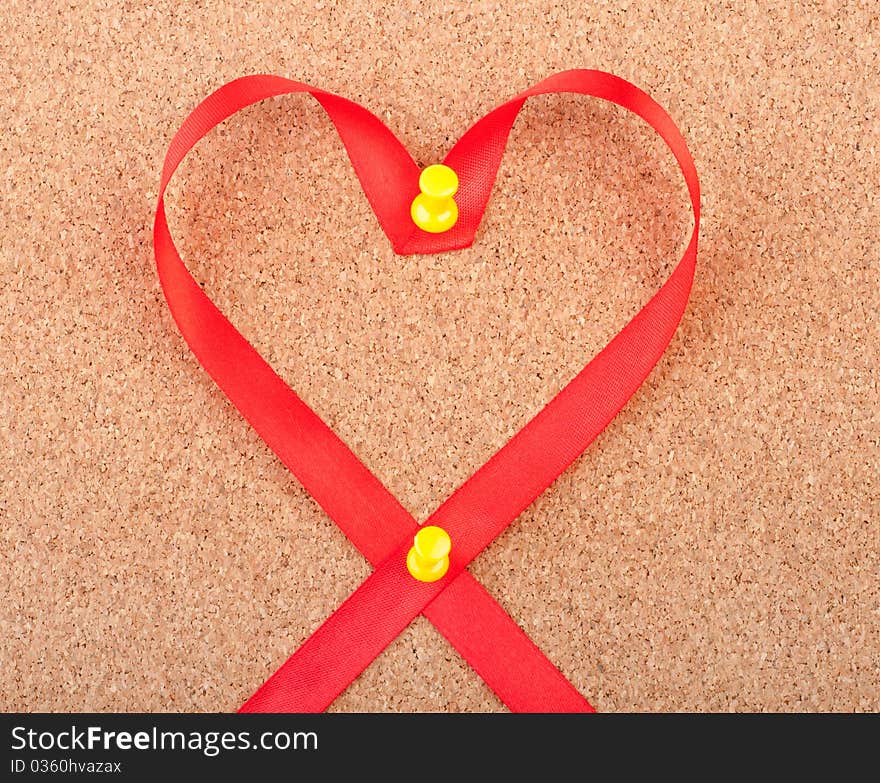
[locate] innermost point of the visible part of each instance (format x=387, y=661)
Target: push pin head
x=428, y=560
x=434, y=209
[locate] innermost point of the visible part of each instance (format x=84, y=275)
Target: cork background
x=715, y=549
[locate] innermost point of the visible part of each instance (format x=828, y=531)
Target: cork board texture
x=716, y=548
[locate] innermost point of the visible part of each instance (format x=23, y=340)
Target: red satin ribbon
x=340, y=649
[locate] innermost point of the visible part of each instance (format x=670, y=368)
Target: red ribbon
x=459, y=607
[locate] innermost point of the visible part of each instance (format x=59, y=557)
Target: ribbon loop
x=498, y=492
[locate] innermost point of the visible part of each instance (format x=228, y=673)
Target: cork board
x=715, y=549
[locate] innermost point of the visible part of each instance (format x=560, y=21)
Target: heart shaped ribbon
x=459, y=607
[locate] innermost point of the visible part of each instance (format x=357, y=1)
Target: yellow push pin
x=428, y=560
x=434, y=209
